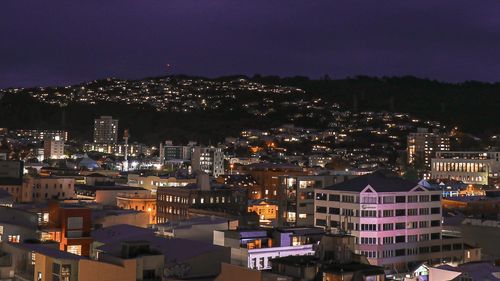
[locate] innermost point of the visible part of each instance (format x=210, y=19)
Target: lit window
x=14, y=238
x=75, y=249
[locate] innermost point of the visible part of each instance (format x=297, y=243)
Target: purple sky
x=67, y=41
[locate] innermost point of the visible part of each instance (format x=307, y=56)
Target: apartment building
x=175, y=202
x=423, y=145
x=297, y=198
x=53, y=148
x=208, y=160
x=177, y=152
x=396, y=223
x=36, y=188
x=105, y=130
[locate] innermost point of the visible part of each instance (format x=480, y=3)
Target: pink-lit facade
x=394, y=229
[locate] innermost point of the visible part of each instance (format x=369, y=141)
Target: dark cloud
x=63, y=42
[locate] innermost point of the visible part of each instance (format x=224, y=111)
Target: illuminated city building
x=297, y=198
x=139, y=202
x=396, y=223
x=106, y=130
x=53, y=148
x=209, y=160
x=470, y=167
x=423, y=145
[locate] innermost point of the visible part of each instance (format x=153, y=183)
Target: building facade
x=297, y=203
x=70, y=226
x=144, y=202
x=209, y=160
x=37, y=188
x=423, y=145
x=40, y=135
x=53, y=148
x=470, y=167
x=268, y=176
x=396, y=223
x=177, y=152
x=174, y=202
x=254, y=248
x=152, y=183
x=106, y=130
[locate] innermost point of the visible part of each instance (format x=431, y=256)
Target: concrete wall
x=44, y=263
x=108, y=197
x=107, y=272
x=140, y=219
x=231, y=272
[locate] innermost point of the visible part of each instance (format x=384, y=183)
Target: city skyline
x=66, y=43
x=266, y=140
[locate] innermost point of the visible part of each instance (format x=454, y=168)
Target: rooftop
x=172, y=248
x=50, y=251
x=379, y=181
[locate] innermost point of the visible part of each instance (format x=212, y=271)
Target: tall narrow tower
x=125, y=138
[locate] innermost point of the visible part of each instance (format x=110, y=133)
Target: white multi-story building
x=397, y=223
x=254, y=248
x=53, y=148
x=471, y=167
x=152, y=183
x=36, y=189
x=209, y=160
x=106, y=130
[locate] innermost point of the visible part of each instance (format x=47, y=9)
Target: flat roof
x=379, y=181
x=172, y=248
x=50, y=251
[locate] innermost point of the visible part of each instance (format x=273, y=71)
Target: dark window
x=399, y=252
x=400, y=239
x=334, y=211
x=423, y=250
x=435, y=236
x=457, y=246
x=446, y=247
x=435, y=210
x=309, y=195
x=435, y=223
x=400, y=225
x=320, y=222
x=321, y=196
x=56, y=268
x=400, y=199
x=435, y=197
x=400, y=212
x=435, y=249
x=334, y=197
x=148, y=274
x=321, y=209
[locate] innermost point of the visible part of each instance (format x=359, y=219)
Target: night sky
x=69, y=41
